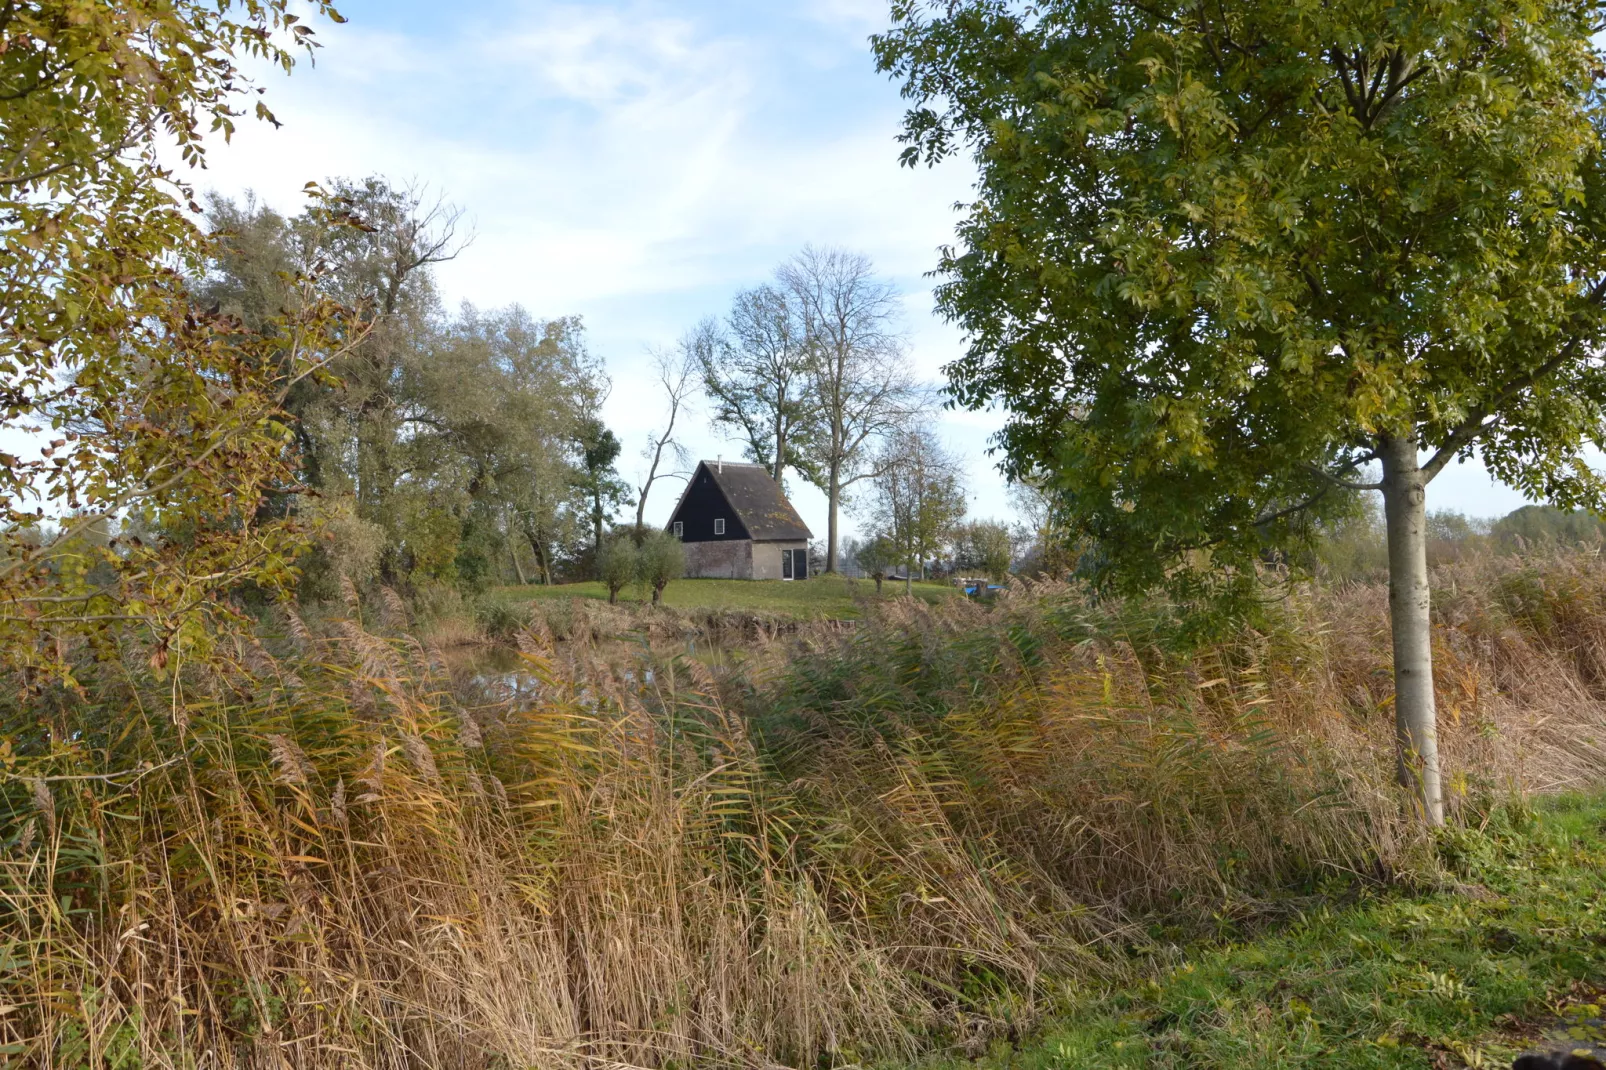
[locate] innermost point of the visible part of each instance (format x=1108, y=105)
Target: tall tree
x=1226, y=257
x=756, y=372
x=917, y=495
x=598, y=476
x=376, y=250
x=860, y=383
x=676, y=374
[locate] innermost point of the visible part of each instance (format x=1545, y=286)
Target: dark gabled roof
x=758, y=501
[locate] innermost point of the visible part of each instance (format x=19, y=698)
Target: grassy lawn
x=823, y=596
x=1513, y=959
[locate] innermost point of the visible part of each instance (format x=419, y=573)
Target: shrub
x=617, y=564
x=662, y=558
x=875, y=555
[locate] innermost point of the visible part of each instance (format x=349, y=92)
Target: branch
x=1333, y=478
x=1479, y=419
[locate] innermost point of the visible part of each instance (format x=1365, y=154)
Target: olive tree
x=1227, y=260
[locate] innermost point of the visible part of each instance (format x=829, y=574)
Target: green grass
x=829, y=597
x=1467, y=977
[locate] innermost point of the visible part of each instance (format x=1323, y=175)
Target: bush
x=617, y=564
x=661, y=558
x=875, y=556
x=501, y=618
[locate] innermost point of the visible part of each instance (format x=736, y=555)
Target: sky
x=637, y=162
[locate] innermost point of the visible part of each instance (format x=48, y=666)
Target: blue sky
x=636, y=162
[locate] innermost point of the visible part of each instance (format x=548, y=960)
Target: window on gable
x=719, y=526
x=680, y=529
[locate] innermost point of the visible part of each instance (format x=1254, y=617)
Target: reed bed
x=330, y=850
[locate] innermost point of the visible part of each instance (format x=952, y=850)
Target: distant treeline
x=461, y=448
x=1354, y=546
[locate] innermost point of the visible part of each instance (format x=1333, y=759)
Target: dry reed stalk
x=916, y=823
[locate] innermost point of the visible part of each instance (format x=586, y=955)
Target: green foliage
x=500, y=617
x=471, y=440
x=618, y=564
x=1211, y=261
x=597, y=478
x=985, y=546
x=876, y=555
x=660, y=559
x=148, y=410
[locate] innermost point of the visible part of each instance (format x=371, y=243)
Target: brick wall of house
x=728, y=560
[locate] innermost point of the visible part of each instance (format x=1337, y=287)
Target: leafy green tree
x=1224, y=258
x=618, y=564
x=463, y=437
x=598, y=476
x=662, y=558
x=123, y=400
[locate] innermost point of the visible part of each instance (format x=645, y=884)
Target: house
x=737, y=524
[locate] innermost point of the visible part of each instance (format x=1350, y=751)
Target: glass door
x=786, y=564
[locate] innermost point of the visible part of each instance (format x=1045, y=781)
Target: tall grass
x=329, y=851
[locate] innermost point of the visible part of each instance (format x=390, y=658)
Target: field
x=823, y=597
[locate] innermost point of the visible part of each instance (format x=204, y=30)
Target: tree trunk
x=780, y=449
x=834, y=495
x=1405, y=511
x=518, y=567
x=540, y=557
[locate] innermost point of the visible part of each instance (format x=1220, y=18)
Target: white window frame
x=719, y=525
x=680, y=529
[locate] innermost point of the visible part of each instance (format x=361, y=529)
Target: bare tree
x=861, y=384
x=756, y=371
x=677, y=375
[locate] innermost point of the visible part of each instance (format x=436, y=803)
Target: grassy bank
x=932, y=832
x=1507, y=955
x=825, y=597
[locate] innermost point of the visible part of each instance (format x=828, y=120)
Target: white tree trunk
x=833, y=501
x=1415, y=719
